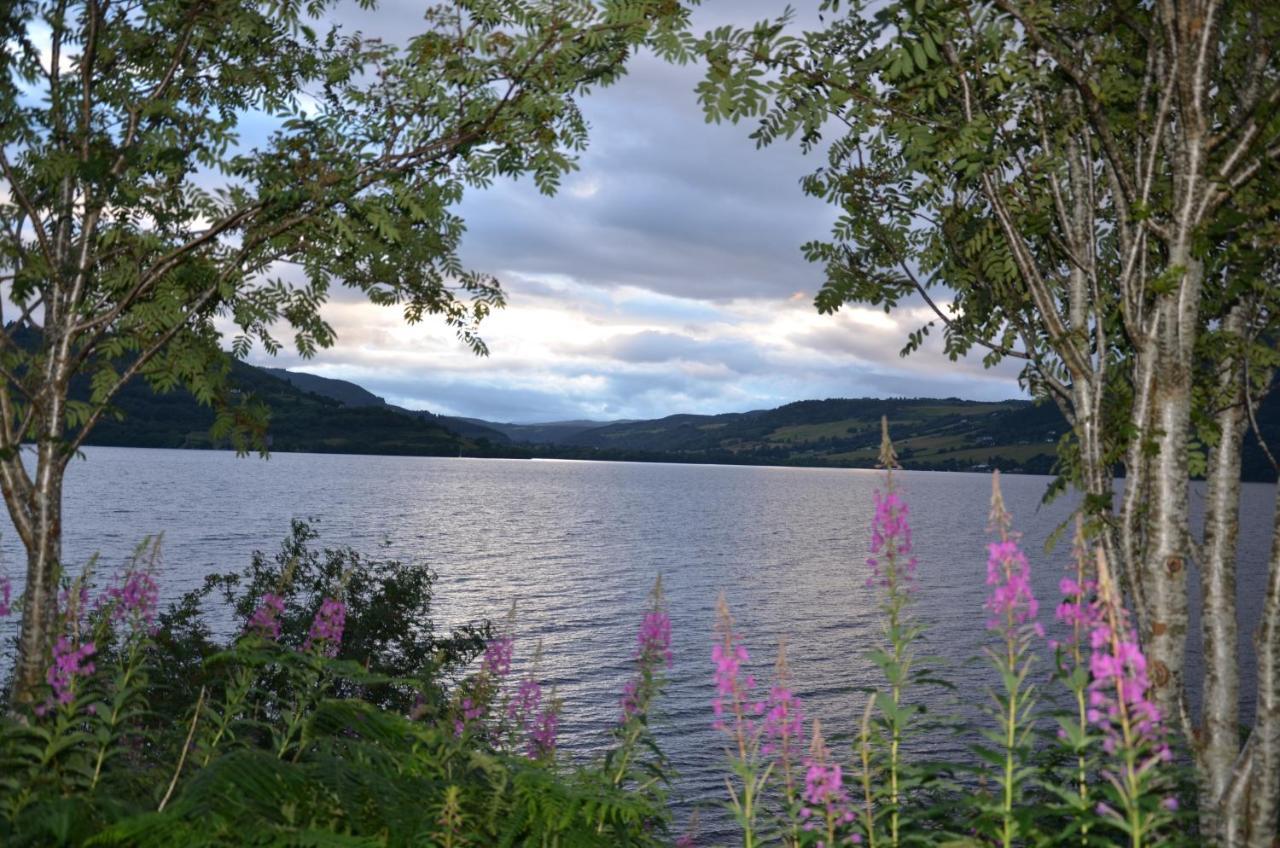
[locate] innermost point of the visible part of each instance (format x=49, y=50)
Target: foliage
x=329, y=718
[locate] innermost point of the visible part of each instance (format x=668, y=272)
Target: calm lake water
x=578, y=544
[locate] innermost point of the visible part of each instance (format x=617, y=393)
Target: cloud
x=665, y=277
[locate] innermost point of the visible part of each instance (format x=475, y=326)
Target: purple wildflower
x=1118, y=682
x=265, y=621
x=732, y=688
x=525, y=706
x=1012, y=603
x=826, y=806
x=326, y=628
x=654, y=637
x=542, y=737
x=135, y=598
x=497, y=657
x=630, y=698
x=69, y=663
x=783, y=721
x=653, y=649
x=6, y=591
x=890, y=541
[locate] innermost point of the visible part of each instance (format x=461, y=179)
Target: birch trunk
x=1216, y=739
x=1264, y=789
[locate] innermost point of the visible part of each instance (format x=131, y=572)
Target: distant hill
x=549, y=433
x=350, y=394
x=320, y=414
x=300, y=421
x=929, y=434
x=948, y=434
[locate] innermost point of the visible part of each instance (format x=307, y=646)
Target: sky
x=665, y=277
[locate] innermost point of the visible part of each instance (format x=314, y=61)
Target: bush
x=331, y=716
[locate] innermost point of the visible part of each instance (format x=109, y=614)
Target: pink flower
x=497, y=657
x=542, y=739
x=654, y=637
x=1012, y=603
x=783, y=722
x=890, y=541
x=630, y=698
x=326, y=627
x=265, y=621
x=732, y=689
x=69, y=663
x=524, y=707
x=136, y=598
x=826, y=802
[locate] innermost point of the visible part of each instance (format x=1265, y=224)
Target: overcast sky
x=666, y=277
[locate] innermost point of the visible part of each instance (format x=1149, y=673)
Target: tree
x=135, y=217
x=1092, y=186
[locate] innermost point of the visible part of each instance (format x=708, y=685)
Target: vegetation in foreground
x=336, y=715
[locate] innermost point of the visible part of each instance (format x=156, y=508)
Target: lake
x=577, y=545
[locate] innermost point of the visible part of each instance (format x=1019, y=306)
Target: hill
x=350, y=394
x=947, y=434
x=320, y=414
x=300, y=421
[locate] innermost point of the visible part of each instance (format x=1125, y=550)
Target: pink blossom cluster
x=6, y=596
x=890, y=539
x=69, y=662
x=539, y=722
x=783, y=722
x=135, y=598
x=265, y=621
x=542, y=736
x=654, y=638
x=497, y=657
x=327, y=626
x=472, y=711
x=1118, y=689
x=1077, y=609
x=630, y=698
x=825, y=799
x=732, y=689
x=1012, y=604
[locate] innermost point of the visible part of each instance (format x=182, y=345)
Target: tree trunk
x=1163, y=560
x=1217, y=742
x=1264, y=789
x=44, y=567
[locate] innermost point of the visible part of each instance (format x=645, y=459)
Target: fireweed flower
x=654, y=638
x=892, y=565
x=70, y=662
x=737, y=714
x=6, y=591
x=265, y=621
x=1132, y=731
x=826, y=809
x=135, y=598
x=1011, y=603
x=893, y=568
x=542, y=736
x=497, y=657
x=783, y=721
x=1011, y=612
x=326, y=627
